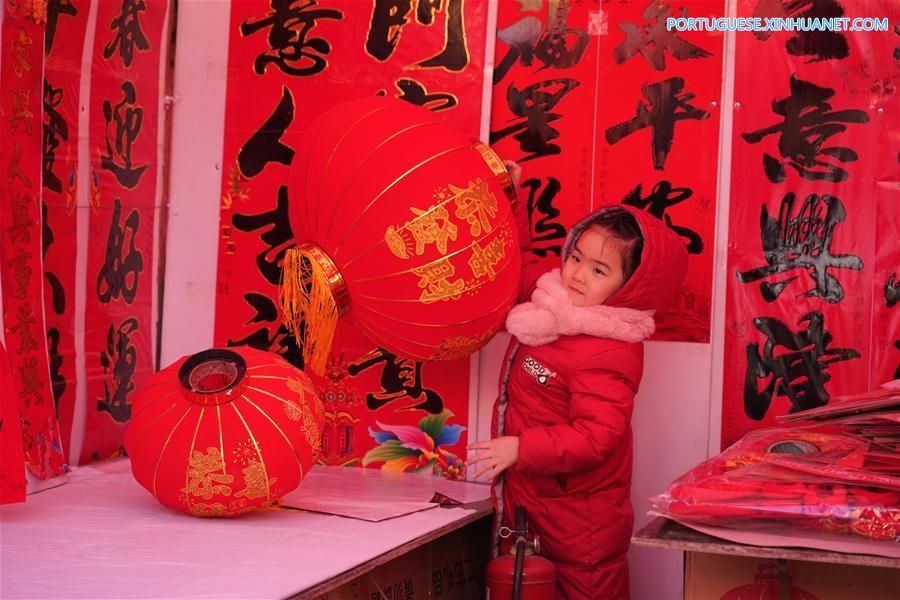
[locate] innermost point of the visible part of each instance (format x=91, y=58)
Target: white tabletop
x=103, y=536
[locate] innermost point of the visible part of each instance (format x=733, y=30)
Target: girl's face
x=593, y=271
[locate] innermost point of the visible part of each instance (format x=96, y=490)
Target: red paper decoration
x=224, y=432
x=403, y=224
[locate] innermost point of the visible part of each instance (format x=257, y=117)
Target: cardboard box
x=725, y=577
x=451, y=567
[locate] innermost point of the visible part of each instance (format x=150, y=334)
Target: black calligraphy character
x=795, y=370
x=802, y=241
x=821, y=45
x=662, y=197
x=288, y=47
x=897, y=370
x=120, y=272
x=55, y=8
x=544, y=230
x=891, y=291
x=555, y=45
x=54, y=129
x=58, y=292
x=400, y=378
x=128, y=117
x=653, y=39
x=128, y=32
x=265, y=145
x=277, y=235
x=57, y=380
x=808, y=123
x=119, y=361
x=534, y=104
x=455, y=55
x=891, y=298
x=282, y=343
x=660, y=114
x=414, y=92
x=389, y=18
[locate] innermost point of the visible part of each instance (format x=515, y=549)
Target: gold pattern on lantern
x=434, y=278
x=244, y=452
x=215, y=509
x=483, y=260
x=300, y=386
x=255, y=485
x=203, y=480
x=310, y=428
x=430, y=226
x=292, y=410
x=476, y=204
x=459, y=346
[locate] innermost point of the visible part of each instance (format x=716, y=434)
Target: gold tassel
x=312, y=292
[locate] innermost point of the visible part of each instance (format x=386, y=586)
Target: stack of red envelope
x=836, y=469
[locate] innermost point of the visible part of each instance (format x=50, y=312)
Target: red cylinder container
x=538, y=578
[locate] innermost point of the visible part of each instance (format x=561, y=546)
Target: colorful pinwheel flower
x=408, y=448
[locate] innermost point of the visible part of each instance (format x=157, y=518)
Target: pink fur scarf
x=551, y=314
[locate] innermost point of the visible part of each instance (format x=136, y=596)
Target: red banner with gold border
x=125, y=107
x=299, y=59
x=812, y=230
x=63, y=47
x=20, y=252
x=658, y=113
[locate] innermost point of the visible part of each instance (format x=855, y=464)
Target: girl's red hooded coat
x=570, y=403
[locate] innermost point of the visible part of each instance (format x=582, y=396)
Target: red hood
x=658, y=278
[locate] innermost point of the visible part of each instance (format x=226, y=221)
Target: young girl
x=562, y=420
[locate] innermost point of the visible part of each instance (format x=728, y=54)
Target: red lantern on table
x=402, y=224
x=224, y=431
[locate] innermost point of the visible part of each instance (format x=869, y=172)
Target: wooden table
x=667, y=534
x=100, y=535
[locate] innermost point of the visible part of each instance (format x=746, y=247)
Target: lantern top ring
x=213, y=377
x=336, y=283
x=496, y=165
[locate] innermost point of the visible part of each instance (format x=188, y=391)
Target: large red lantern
x=402, y=224
x=225, y=431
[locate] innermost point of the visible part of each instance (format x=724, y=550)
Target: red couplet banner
x=299, y=59
x=124, y=105
x=812, y=292
x=658, y=112
x=545, y=86
x=20, y=219
x=63, y=46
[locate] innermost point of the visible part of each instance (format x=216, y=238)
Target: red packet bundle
x=819, y=477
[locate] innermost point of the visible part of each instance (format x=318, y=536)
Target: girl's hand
x=515, y=172
x=498, y=455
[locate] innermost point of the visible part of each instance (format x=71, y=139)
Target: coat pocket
x=549, y=486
